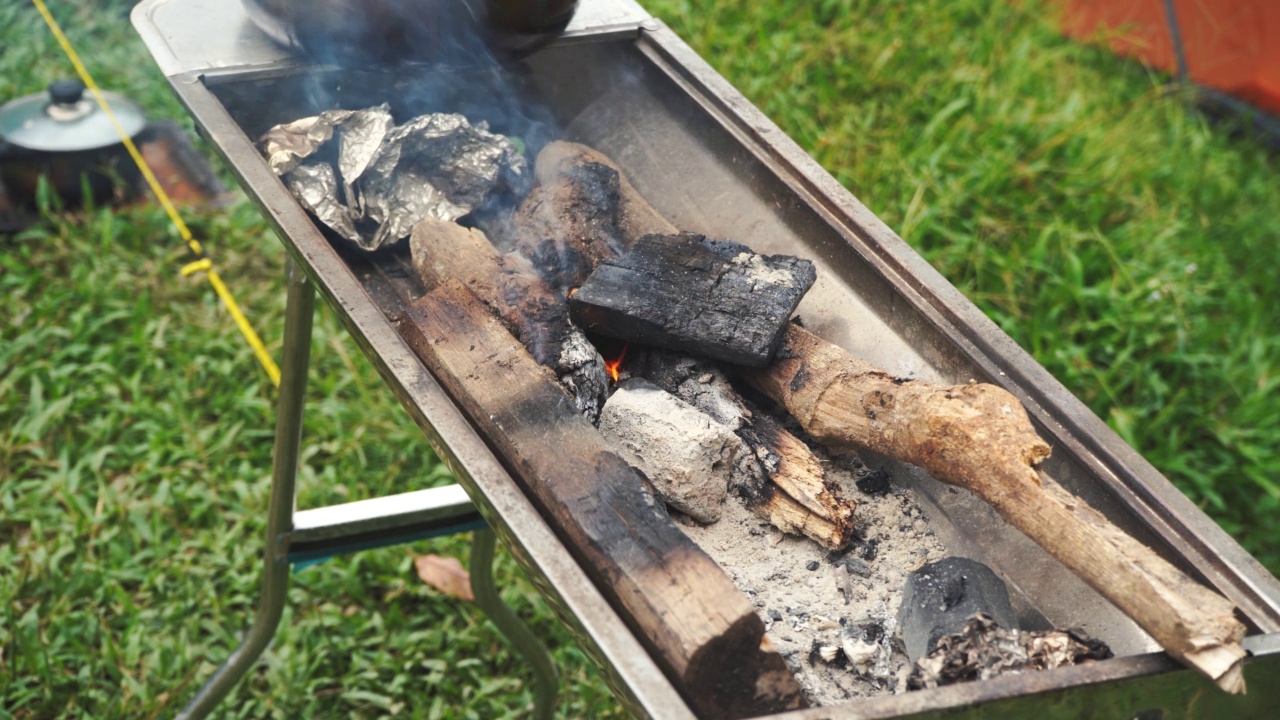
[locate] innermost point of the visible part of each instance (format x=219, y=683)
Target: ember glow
x=612, y=366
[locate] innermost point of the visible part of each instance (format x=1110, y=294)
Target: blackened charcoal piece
x=869, y=550
x=941, y=596
x=875, y=482
x=853, y=564
x=705, y=297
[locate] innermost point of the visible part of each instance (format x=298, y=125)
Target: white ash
x=687, y=456
x=763, y=274
x=860, y=635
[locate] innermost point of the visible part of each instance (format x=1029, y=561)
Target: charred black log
x=636, y=217
x=569, y=224
x=712, y=298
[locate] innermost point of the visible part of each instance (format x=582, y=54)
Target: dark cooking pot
x=65, y=137
x=363, y=31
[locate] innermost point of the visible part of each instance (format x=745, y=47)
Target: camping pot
x=380, y=31
x=67, y=138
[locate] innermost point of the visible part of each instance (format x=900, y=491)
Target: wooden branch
x=979, y=437
x=531, y=310
x=702, y=630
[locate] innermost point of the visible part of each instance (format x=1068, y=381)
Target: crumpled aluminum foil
x=438, y=165
x=287, y=145
x=316, y=188
x=362, y=136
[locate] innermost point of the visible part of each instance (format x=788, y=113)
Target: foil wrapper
x=287, y=145
x=316, y=187
x=362, y=136
x=393, y=177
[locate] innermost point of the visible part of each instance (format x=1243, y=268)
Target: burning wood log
x=685, y=292
x=979, y=437
x=531, y=310
x=569, y=225
x=703, y=631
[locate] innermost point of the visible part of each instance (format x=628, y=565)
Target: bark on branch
x=980, y=438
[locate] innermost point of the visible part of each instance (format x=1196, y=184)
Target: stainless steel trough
x=701, y=153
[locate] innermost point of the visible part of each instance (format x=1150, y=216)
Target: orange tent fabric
x=1230, y=45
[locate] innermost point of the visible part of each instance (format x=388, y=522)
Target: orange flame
x=612, y=366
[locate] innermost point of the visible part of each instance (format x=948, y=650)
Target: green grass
x=1118, y=238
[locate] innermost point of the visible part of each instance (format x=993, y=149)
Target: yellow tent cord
x=204, y=263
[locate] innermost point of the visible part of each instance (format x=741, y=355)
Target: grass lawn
x=1127, y=245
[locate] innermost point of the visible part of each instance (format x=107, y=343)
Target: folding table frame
x=311, y=535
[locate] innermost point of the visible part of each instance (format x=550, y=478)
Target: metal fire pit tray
x=704, y=156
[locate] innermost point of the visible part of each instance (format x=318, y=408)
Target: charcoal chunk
x=875, y=482
x=856, y=566
x=704, y=297
x=941, y=596
x=869, y=550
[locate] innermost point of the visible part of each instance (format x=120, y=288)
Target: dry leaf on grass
x=445, y=574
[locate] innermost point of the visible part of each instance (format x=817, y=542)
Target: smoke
x=426, y=56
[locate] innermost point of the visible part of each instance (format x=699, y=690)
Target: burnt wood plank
x=532, y=311
x=702, y=630
x=685, y=292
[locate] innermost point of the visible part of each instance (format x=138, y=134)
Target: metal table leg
x=275, y=573
x=545, y=679
x=371, y=523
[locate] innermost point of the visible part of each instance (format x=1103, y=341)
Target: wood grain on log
x=703, y=631
x=532, y=311
x=979, y=437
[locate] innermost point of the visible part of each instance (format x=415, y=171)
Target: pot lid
x=64, y=119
